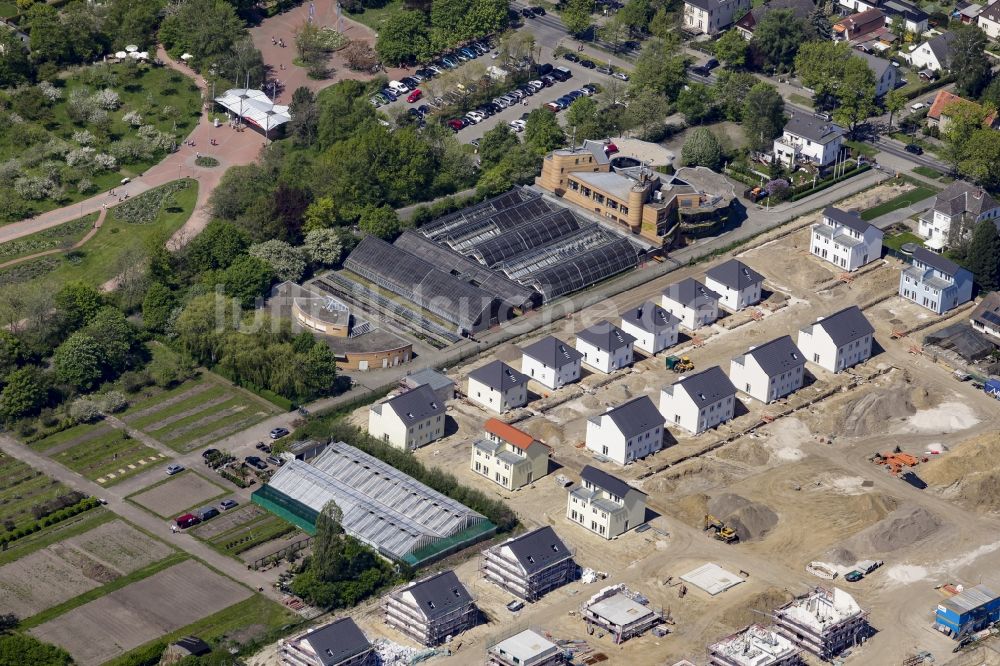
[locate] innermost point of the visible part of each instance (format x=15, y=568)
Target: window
x=815, y=358
x=604, y=450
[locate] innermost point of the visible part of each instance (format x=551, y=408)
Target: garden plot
x=101, y=453
x=41, y=580
x=21, y=488
x=241, y=529
x=197, y=413
x=173, y=496
x=125, y=619
x=120, y=546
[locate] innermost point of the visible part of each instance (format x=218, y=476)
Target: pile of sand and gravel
x=751, y=520
x=965, y=474
x=903, y=527
x=874, y=411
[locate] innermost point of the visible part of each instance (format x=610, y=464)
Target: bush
x=113, y=402
x=144, y=208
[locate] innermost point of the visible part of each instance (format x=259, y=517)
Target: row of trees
x=417, y=35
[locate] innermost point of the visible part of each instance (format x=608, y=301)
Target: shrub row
x=57, y=517
x=831, y=182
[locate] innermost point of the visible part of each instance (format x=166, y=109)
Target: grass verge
x=902, y=201
x=79, y=524
x=897, y=241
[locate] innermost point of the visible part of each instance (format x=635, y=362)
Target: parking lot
x=581, y=76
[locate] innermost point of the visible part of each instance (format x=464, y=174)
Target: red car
x=456, y=124
x=187, y=520
x=414, y=96
x=610, y=148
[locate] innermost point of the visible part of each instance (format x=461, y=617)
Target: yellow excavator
x=722, y=531
x=679, y=364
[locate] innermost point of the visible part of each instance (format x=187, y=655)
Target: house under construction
x=431, y=610
x=824, y=622
x=531, y=565
x=754, y=646
x=621, y=612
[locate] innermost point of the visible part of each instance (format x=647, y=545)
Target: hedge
x=48, y=521
x=931, y=85
x=830, y=183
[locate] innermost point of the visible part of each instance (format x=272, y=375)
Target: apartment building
x=339, y=643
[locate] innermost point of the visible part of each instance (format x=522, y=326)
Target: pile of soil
x=873, y=411
x=841, y=556
x=590, y=402
x=752, y=521
x=903, y=527
x=750, y=611
x=962, y=476
x=746, y=451
x=616, y=394
x=543, y=430
x=692, y=509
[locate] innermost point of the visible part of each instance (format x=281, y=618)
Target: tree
x=286, y=261
x=856, y=94
x=360, y=57
x=17, y=649
x=25, y=392
x=731, y=90
x=15, y=67
x=379, y=221
x=695, y=102
x=116, y=339
x=304, y=126
x=969, y=62
x=819, y=22
x=763, y=116
x=542, y=132
x=820, y=66
x=133, y=22
x=701, y=148
x=778, y=36
x=894, y=102
x=519, y=166
x=731, y=49
x=12, y=352
x=659, y=68
x=614, y=32
x=496, y=143
x=77, y=362
x=581, y=119
x=48, y=40
x=312, y=50
x=77, y=302
x=981, y=157
x=247, y=279
x=635, y=15
x=404, y=37
x=576, y=15
x=964, y=120
x=983, y=256
x=320, y=214
x=208, y=30
x=323, y=247
x=991, y=95
x=319, y=370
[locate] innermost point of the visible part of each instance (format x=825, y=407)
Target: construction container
x=992, y=386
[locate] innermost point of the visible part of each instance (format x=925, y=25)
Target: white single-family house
x=605, y=347
x=845, y=240
x=986, y=317
x=654, y=328
x=498, y=387
x=737, y=285
x=989, y=20
x=838, y=341
x=710, y=17
x=409, y=420
x=960, y=205
x=809, y=138
x=551, y=362
x=935, y=282
x=628, y=432
x=769, y=371
x=934, y=54
x=605, y=504
x=700, y=401
x=914, y=19
x=885, y=74
x=692, y=302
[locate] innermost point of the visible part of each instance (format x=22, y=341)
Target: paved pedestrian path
x=80, y=243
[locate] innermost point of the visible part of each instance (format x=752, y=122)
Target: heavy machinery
x=679, y=364
x=721, y=530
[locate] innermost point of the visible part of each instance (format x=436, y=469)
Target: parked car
x=187, y=520
x=590, y=89
x=561, y=74
x=228, y=504
x=255, y=461
x=610, y=148
x=554, y=107
x=275, y=460
x=589, y=64
x=527, y=13
x=539, y=11
x=853, y=576
x=209, y=453
x=399, y=87
x=605, y=70
x=414, y=96
x=515, y=605
x=572, y=57
x=711, y=64
x=543, y=68
x=389, y=94
x=263, y=446
x=206, y=513
x=621, y=76
x=174, y=469
x=535, y=85
x=517, y=125
x=700, y=70
x=548, y=80
x=914, y=149
x=575, y=94
x=423, y=109
x=410, y=81
x=278, y=433
x=455, y=124
x=375, y=102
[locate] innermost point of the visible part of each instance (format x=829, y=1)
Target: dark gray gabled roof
x=338, y=641
x=605, y=481
x=851, y=220
x=636, y=416
x=777, y=356
x=650, y=317
x=440, y=594
x=708, y=386
x=606, y=336
x=812, y=128
x=416, y=404
x=707, y=5
x=498, y=376
x=539, y=549
x=876, y=64
x=690, y=293
x=940, y=46
x=552, y=351
x=734, y=274
x=846, y=326
x=936, y=261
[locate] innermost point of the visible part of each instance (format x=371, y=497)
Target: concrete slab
x=712, y=578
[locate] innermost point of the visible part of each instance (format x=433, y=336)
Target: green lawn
x=859, y=148
x=373, y=17
x=107, y=458
x=902, y=201
x=245, y=536
x=801, y=100
x=898, y=240
x=116, y=246
x=63, y=237
x=22, y=487
x=7, y=8
x=928, y=172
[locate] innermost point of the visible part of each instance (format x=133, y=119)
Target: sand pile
x=945, y=418
x=961, y=475
x=692, y=509
x=543, y=430
x=841, y=556
x=873, y=411
x=751, y=520
x=749, y=612
x=748, y=451
x=901, y=528
x=590, y=402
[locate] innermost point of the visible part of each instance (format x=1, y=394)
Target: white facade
x=692, y=313
x=751, y=374
x=603, y=360
x=732, y=298
x=935, y=282
x=651, y=342
x=713, y=16
x=551, y=362
x=400, y=430
x=845, y=246
x=497, y=400
x=626, y=439
x=989, y=20
x=686, y=409
x=790, y=147
x=819, y=346
x=924, y=57
x=607, y=512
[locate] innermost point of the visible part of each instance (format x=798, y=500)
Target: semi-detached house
x=700, y=401
x=339, y=643
x=604, y=504
x=769, y=371
x=409, y=420
x=845, y=240
x=498, y=387
x=628, y=432
x=551, y=362
x=838, y=341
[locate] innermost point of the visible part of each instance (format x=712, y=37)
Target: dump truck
x=722, y=532
x=679, y=364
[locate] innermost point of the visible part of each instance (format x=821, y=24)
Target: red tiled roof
x=945, y=98
x=509, y=433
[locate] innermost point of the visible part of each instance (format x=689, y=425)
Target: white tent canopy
x=255, y=107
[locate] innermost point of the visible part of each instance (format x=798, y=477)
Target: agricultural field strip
x=219, y=431
x=163, y=400
x=169, y=502
x=156, y=416
x=23, y=487
x=115, y=455
x=95, y=431
x=72, y=434
x=226, y=407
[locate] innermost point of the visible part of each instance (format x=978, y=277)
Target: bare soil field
x=124, y=619
x=185, y=491
x=120, y=546
x=41, y=580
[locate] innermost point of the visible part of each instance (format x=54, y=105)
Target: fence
x=284, y=552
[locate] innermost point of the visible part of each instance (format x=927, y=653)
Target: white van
x=917, y=106
x=398, y=87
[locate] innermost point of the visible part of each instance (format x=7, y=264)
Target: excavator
x=722, y=531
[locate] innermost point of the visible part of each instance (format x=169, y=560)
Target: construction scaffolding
x=754, y=646
x=526, y=572
x=433, y=623
x=824, y=622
